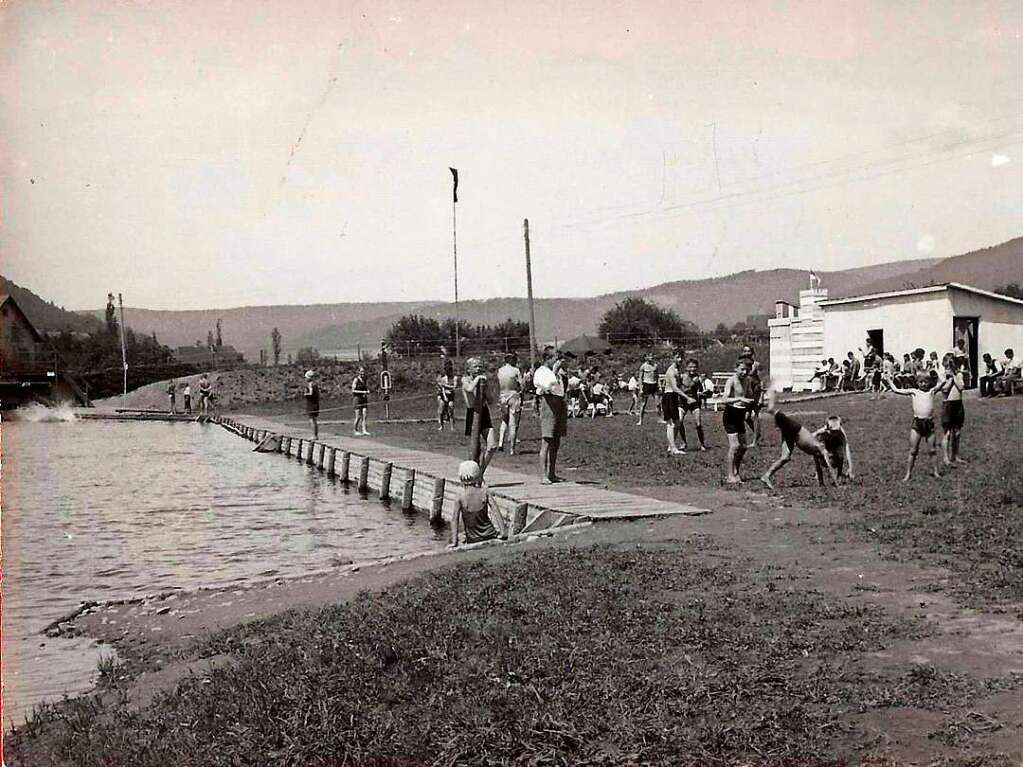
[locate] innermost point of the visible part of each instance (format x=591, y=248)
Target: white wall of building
x=1001, y=322
x=797, y=342
x=909, y=321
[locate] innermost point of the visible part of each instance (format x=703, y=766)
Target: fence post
x=286, y=446
x=346, y=459
x=364, y=474
x=518, y=520
x=330, y=461
x=408, y=490
x=385, y=481
x=437, y=505
x=309, y=457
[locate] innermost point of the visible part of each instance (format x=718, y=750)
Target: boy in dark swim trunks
x=693, y=396
x=953, y=415
x=923, y=419
x=473, y=514
x=733, y=418
x=795, y=435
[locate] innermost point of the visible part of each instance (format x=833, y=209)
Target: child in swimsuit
x=795, y=435
x=953, y=415
x=836, y=445
x=923, y=419
x=473, y=509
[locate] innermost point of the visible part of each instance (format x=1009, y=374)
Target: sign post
x=385, y=386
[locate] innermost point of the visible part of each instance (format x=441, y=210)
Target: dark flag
x=454, y=174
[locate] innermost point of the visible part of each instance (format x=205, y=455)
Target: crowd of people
x=559, y=388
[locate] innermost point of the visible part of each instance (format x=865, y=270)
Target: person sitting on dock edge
x=475, y=512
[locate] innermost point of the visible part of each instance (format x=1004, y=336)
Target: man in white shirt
x=550, y=390
x=509, y=382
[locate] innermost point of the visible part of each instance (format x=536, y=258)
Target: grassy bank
x=599, y=656
x=970, y=521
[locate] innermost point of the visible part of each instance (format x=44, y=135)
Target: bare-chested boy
x=923, y=419
x=836, y=444
x=509, y=382
x=736, y=402
x=692, y=402
x=953, y=414
x=648, y=384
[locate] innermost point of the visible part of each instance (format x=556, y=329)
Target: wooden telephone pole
x=124, y=353
x=529, y=292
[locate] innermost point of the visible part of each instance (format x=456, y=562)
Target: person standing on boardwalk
x=509, y=381
x=550, y=392
x=205, y=394
x=478, y=399
x=736, y=402
x=312, y=401
x=360, y=398
x=172, y=389
x=648, y=382
x=447, y=382
x=187, y=396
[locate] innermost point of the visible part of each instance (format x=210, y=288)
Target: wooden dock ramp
x=525, y=503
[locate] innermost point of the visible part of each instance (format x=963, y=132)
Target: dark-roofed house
x=30, y=370
x=205, y=358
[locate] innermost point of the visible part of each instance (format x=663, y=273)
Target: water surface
x=102, y=510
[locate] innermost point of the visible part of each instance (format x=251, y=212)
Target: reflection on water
x=101, y=510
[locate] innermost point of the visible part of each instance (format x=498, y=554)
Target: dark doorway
x=876, y=338
x=965, y=328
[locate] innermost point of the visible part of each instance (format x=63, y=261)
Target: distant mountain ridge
x=327, y=327
x=706, y=302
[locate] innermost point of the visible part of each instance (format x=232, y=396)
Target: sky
x=212, y=153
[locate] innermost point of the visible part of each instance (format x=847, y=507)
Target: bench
x=719, y=378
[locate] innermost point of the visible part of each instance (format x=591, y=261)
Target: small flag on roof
x=454, y=192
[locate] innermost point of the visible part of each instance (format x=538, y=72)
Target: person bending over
x=794, y=435
x=836, y=444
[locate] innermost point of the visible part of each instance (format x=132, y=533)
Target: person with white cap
x=475, y=513
x=312, y=401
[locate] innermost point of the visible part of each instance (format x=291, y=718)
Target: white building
x=797, y=340
x=931, y=318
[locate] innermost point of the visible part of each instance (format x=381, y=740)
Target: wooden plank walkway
x=546, y=506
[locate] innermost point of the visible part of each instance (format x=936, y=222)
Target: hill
x=990, y=268
x=45, y=315
x=728, y=299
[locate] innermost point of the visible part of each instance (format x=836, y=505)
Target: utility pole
x=529, y=292
x=454, y=249
x=124, y=353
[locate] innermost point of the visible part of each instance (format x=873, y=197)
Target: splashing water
x=37, y=413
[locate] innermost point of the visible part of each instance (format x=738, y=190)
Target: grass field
x=970, y=520
x=675, y=649
x=596, y=656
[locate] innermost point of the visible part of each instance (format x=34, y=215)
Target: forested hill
x=46, y=315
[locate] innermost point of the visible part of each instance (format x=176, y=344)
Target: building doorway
x=876, y=338
x=965, y=329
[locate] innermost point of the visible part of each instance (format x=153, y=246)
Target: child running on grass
x=473, y=509
x=795, y=435
x=923, y=419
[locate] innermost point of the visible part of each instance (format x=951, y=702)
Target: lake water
x=103, y=510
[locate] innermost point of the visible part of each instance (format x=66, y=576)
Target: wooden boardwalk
x=522, y=499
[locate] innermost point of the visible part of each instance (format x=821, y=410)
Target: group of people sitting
x=867, y=370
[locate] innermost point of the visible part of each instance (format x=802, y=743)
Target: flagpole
x=454, y=247
x=529, y=292
x=124, y=353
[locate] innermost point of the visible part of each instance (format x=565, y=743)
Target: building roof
x=4, y=299
x=920, y=291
